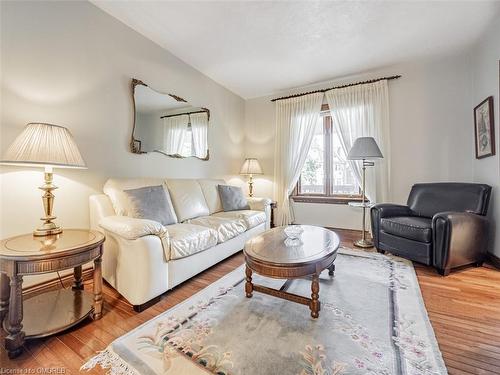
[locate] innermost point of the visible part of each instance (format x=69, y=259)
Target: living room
x=263, y=84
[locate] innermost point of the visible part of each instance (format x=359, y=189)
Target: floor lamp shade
x=364, y=148
x=250, y=167
x=49, y=146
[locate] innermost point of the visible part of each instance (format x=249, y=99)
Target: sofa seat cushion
x=410, y=227
x=250, y=217
x=189, y=239
x=226, y=228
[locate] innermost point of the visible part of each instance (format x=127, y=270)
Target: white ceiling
x=263, y=47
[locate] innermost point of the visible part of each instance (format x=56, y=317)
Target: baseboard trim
x=493, y=260
x=54, y=283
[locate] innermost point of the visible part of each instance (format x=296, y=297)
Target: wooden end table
x=54, y=311
x=270, y=255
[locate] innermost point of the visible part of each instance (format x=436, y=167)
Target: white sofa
x=143, y=259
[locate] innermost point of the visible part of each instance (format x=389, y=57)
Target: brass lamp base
x=250, y=186
x=48, y=227
x=363, y=243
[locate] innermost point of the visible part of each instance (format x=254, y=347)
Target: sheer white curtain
x=363, y=111
x=296, y=119
x=199, y=127
x=174, y=134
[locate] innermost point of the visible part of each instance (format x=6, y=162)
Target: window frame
x=327, y=196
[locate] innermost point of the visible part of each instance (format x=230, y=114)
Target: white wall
x=430, y=132
x=69, y=63
x=485, y=78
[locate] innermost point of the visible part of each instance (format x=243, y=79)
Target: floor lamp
x=364, y=148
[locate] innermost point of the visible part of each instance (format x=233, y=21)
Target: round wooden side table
x=54, y=311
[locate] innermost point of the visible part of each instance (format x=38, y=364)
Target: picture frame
x=484, y=128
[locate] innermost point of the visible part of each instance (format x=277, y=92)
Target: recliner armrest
x=130, y=228
x=258, y=204
x=459, y=238
x=379, y=211
x=391, y=210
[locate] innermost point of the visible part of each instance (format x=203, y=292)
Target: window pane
x=312, y=179
x=187, y=147
x=343, y=181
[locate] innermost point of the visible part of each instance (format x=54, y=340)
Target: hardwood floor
x=464, y=309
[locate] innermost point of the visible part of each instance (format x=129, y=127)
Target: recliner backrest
x=431, y=198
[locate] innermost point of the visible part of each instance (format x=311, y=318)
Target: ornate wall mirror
x=168, y=124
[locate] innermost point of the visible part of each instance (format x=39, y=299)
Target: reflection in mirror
x=168, y=124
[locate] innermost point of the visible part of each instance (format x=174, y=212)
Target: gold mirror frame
x=136, y=144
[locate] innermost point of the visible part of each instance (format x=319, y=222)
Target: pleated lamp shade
x=44, y=145
x=251, y=166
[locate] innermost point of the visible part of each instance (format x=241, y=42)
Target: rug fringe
x=107, y=359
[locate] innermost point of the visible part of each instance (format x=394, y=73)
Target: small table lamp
x=362, y=149
x=250, y=167
x=49, y=146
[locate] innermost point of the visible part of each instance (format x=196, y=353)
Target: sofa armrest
x=459, y=238
x=258, y=204
x=261, y=204
x=130, y=228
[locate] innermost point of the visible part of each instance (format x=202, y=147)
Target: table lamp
x=362, y=149
x=48, y=146
x=250, y=167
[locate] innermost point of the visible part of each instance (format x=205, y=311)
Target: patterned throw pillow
x=232, y=198
x=153, y=203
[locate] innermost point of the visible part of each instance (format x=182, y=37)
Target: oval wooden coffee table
x=270, y=255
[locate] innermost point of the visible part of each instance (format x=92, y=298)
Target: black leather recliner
x=443, y=225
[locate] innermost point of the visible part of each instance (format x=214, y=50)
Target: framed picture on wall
x=484, y=128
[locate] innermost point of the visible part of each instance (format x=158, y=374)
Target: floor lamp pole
x=363, y=242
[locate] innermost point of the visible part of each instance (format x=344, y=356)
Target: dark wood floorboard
x=464, y=309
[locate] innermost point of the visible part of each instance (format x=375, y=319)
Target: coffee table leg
x=248, y=284
x=315, y=296
x=331, y=270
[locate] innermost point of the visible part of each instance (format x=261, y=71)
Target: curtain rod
x=185, y=113
x=337, y=87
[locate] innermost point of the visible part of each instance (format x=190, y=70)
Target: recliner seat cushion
x=412, y=227
x=189, y=239
x=252, y=218
x=226, y=228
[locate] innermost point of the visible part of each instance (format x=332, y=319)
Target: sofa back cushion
x=114, y=188
x=428, y=199
x=152, y=203
x=209, y=188
x=188, y=199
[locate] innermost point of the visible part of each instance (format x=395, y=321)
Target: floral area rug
x=372, y=321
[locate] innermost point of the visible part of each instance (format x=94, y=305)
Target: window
x=326, y=176
x=187, y=146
